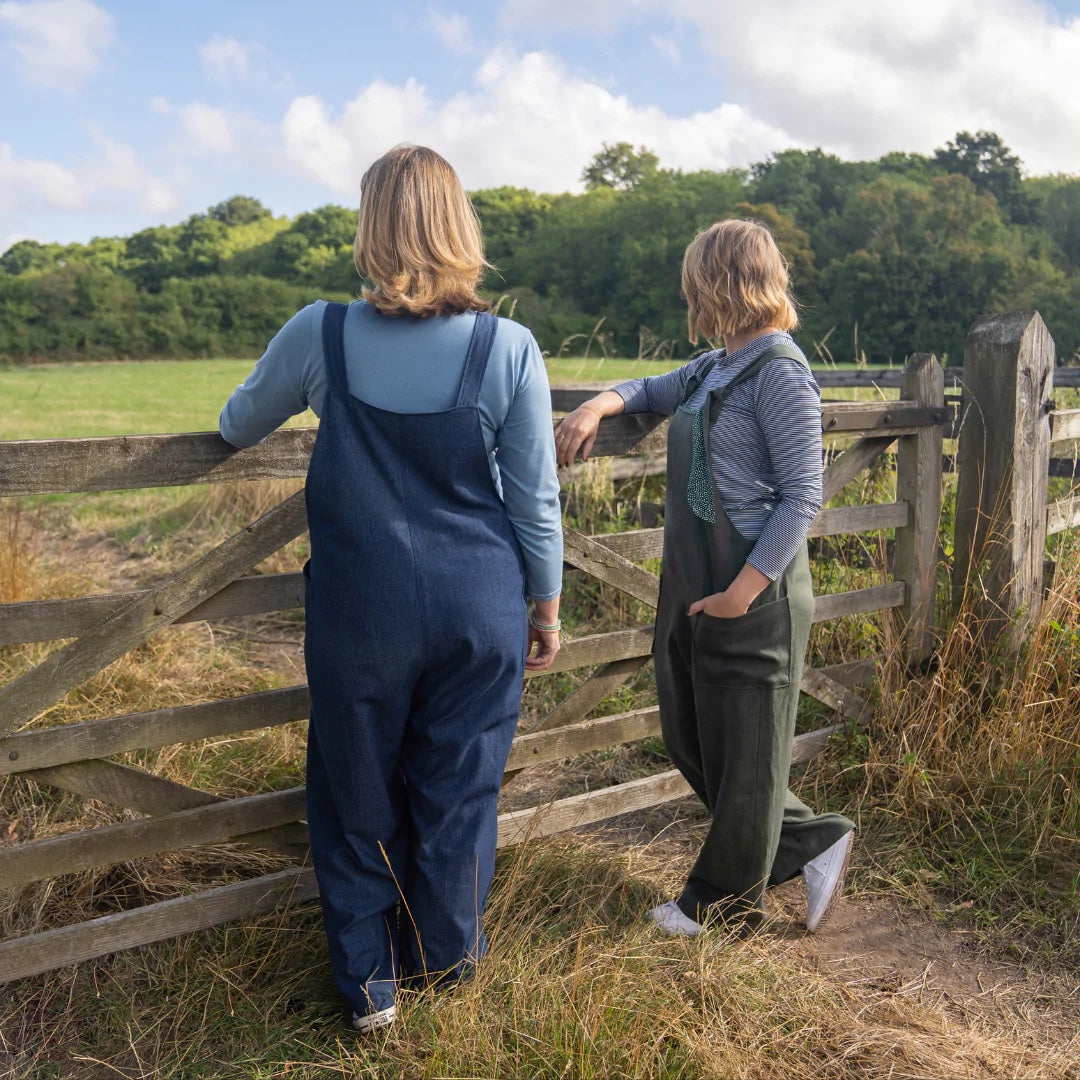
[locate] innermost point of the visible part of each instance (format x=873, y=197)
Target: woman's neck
x=738, y=341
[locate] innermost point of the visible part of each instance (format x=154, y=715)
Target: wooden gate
x=77, y=757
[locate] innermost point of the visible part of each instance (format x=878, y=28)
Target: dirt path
x=875, y=943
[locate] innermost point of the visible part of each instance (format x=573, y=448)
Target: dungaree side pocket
x=752, y=650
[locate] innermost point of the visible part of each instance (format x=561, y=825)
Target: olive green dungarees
x=729, y=691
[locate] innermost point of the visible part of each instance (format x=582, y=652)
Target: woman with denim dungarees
x=743, y=485
x=434, y=516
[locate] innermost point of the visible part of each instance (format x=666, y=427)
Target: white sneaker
x=824, y=877
x=669, y=918
x=371, y=1021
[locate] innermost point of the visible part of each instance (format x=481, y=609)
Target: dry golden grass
x=964, y=787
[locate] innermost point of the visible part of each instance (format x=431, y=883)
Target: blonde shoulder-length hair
x=418, y=237
x=735, y=280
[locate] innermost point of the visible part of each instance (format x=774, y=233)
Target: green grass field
x=129, y=398
x=52, y=401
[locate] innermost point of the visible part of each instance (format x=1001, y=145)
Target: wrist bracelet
x=544, y=628
x=589, y=408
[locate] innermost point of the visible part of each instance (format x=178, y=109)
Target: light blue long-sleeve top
x=764, y=448
x=412, y=366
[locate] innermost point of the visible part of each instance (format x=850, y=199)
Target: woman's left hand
x=721, y=605
x=547, y=644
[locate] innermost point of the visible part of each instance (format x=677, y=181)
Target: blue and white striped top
x=764, y=449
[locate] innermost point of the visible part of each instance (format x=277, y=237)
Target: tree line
x=889, y=257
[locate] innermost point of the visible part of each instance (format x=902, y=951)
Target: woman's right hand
x=577, y=431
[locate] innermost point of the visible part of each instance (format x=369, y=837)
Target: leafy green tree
x=992, y=167
x=152, y=255
x=619, y=166
x=509, y=218
x=922, y=261
x=809, y=184
x=1057, y=210
x=239, y=210
x=26, y=256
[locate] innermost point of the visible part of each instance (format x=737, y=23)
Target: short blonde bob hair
x=735, y=280
x=418, y=237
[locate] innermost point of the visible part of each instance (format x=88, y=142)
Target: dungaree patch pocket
x=751, y=650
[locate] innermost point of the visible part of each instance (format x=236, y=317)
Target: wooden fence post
x=918, y=483
x=1002, y=465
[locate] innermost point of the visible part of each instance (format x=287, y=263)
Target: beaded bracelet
x=544, y=628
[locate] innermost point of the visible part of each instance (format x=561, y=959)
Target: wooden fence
x=78, y=757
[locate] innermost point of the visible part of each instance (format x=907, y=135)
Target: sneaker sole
x=838, y=889
x=373, y=1021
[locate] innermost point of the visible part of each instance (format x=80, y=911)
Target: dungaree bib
x=415, y=650
x=729, y=689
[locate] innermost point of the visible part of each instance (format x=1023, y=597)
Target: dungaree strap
x=333, y=343
x=483, y=336
x=717, y=398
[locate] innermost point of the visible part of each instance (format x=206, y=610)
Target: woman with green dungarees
x=736, y=604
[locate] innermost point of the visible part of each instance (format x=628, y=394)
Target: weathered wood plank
x=808, y=746
x=215, y=822
x=33, y=692
x=49, y=620
x=600, y=649
x=148, y=730
x=851, y=462
x=841, y=698
x=603, y=681
x=38, y=953
x=542, y=747
x=136, y=789
x=1064, y=424
x=1062, y=514
x=638, y=433
x=852, y=672
x=122, y=785
x=855, y=519
x=1002, y=464
x=44, y=466
x=918, y=483
x=635, y=544
x=520, y=825
x=872, y=416
x=859, y=601
x=599, y=561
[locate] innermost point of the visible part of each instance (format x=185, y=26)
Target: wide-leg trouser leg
x=355, y=806
x=459, y=734
x=733, y=746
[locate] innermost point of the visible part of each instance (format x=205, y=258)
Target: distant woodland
x=888, y=257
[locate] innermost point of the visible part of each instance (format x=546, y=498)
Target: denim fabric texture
x=415, y=652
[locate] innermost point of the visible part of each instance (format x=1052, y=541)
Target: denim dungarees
x=415, y=650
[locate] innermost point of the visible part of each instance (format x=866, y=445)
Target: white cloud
x=231, y=62
x=206, y=129
x=28, y=182
x=161, y=106
x=528, y=121
x=226, y=60
x=597, y=16
x=864, y=78
x=105, y=180
x=452, y=30
x=56, y=43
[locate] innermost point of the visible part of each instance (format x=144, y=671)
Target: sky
x=116, y=115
